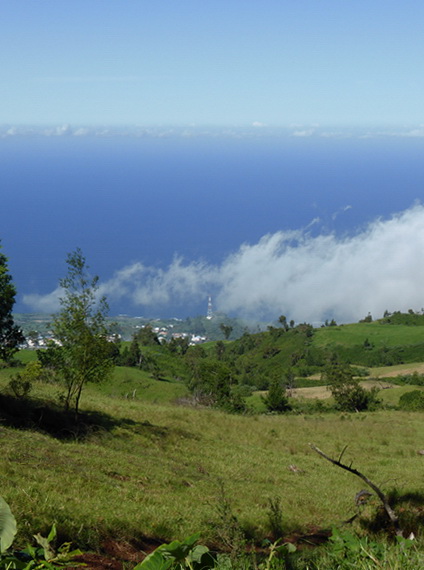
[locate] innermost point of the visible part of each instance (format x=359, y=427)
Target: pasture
x=151, y=469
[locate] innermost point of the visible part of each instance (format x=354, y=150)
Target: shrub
x=349, y=395
x=415, y=379
x=21, y=383
x=276, y=399
x=412, y=401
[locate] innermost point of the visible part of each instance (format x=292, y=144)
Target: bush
x=276, y=399
x=349, y=395
x=414, y=379
x=412, y=401
x=21, y=383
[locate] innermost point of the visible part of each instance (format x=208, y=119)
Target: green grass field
x=378, y=334
x=160, y=470
x=142, y=467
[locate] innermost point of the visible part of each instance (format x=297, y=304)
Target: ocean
x=127, y=200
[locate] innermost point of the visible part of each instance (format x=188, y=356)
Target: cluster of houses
x=164, y=335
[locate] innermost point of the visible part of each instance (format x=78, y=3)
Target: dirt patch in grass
x=317, y=392
x=368, y=384
x=116, y=555
x=321, y=392
x=398, y=370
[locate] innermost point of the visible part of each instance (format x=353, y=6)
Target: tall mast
x=210, y=312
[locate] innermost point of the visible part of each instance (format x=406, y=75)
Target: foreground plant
x=186, y=554
x=7, y=526
x=346, y=550
x=44, y=555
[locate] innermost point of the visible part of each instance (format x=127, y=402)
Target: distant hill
x=302, y=350
x=255, y=355
x=126, y=325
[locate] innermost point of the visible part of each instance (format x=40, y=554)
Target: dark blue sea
x=126, y=200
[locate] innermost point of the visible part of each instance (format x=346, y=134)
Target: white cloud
x=345, y=134
x=317, y=277
x=256, y=129
x=335, y=215
x=58, y=131
x=307, y=278
x=81, y=132
x=153, y=286
x=303, y=133
x=414, y=133
x=49, y=303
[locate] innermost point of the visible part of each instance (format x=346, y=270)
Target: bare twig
x=389, y=511
x=341, y=454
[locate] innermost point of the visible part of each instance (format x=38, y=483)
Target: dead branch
x=389, y=511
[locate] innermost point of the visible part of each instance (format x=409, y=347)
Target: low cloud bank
x=307, y=278
x=49, y=303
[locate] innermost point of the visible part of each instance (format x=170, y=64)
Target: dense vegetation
x=10, y=334
x=227, y=373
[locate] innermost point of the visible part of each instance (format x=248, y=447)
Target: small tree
x=81, y=330
x=133, y=354
x=211, y=380
x=226, y=330
x=282, y=319
x=10, y=334
x=219, y=349
x=349, y=395
x=146, y=336
x=179, y=345
x=276, y=399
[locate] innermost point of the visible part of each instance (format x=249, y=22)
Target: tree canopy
x=10, y=334
x=80, y=328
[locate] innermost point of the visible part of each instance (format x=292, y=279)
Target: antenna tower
x=210, y=313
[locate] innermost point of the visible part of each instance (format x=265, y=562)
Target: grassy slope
x=261, y=356
x=387, y=344
x=158, y=471
x=378, y=334
x=133, y=383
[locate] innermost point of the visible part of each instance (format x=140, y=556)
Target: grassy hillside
x=257, y=357
x=373, y=344
x=377, y=334
x=162, y=471
x=132, y=383
x=140, y=469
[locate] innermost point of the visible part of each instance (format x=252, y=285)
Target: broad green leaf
x=191, y=540
x=197, y=552
x=201, y=559
x=49, y=552
x=154, y=561
x=179, y=550
x=52, y=533
x=7, y=526
x=290, y=547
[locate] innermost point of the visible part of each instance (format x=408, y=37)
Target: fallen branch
x=390, y=512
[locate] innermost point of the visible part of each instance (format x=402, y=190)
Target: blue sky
x=212, y=62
